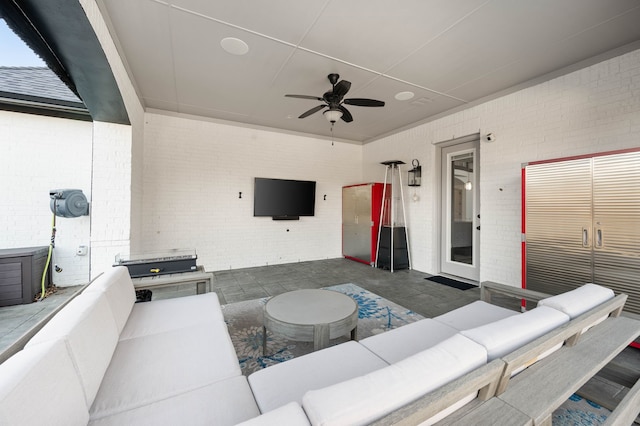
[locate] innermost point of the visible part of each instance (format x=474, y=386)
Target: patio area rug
x=244, y=319
x=579, y=411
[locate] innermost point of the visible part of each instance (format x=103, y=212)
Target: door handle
x=598, y=237
x=478, y=227
x=585, y=238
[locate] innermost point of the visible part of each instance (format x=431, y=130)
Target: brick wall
x=194, y=171
x=111, y=209
x=39, y=154
x=595, y=109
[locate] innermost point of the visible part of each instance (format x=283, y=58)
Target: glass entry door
x=460, y=228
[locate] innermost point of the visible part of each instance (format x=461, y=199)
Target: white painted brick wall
x=39, y=154
x=595, y=109
x=194, y=171
x=111, y=208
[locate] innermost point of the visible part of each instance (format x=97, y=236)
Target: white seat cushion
x=474, y=315
x=290, y=414
x=280, y=384
x=163, y=315
x=399, y=343
x=506, y=335
x=88, y=327
x=151, y=368
x=363, y=399
x=223, y=403
x=39, y=386
x=116, y=284
x=580, y=300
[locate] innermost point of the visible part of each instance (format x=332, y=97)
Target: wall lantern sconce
x=415, y=174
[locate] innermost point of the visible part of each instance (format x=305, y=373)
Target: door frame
x=441, y=236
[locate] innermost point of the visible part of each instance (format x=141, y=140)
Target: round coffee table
x=310, y=316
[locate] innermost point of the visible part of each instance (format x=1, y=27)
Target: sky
x=13, y=51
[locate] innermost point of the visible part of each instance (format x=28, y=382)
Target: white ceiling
x=449, y=53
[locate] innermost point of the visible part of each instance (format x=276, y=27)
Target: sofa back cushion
x=289, y=381
x=577, y=302
x=87, y=327
x=474, y=315
x=366, y=398
x=39, y=386
x=506, y=335
x=117, y=285
x=399, y=343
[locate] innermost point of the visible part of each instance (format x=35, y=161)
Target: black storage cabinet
x=21, y=274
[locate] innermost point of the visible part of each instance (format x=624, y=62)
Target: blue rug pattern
x=579, y=411
x=244, y=320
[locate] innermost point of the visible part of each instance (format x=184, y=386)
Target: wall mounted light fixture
x=415, y=174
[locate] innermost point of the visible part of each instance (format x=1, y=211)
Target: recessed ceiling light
x=404, y=96
x=235, y=46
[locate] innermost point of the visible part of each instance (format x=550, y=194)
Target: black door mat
x=450, y=282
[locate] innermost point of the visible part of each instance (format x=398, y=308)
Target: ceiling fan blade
x=312, y=111
x=342, y=88
x=315, y=98
x=364, y=102
x=346, y=115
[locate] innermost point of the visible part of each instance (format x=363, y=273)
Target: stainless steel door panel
x=558, y=225
x=356, y=222
x=616, y=210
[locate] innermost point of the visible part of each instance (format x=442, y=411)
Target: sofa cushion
x=282, y=383
x=89, y=330
x=474, y=315
x=290, y=414
x=366, y=398
x=39, y=386
x=159, y=366
x=506, y=335
x=163, y=315
x=223, y=403
x=116, y=284
x=399, y=343
x=580, y=300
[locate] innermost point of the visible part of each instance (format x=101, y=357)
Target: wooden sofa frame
x=530, y=397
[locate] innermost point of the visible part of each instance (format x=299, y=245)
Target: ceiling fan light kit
x=332, y=115
x=333, y=99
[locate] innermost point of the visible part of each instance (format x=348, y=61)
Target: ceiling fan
x=333, y=100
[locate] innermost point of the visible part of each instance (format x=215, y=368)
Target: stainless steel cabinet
x=361, y=206
x=582, y=224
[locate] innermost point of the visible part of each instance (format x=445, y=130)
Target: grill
x=150, y=264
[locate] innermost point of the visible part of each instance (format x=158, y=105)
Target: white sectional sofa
x=104, y=360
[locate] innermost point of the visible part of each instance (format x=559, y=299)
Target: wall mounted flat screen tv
x=284, y=199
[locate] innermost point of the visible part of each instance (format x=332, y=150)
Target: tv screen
x=284, y=199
